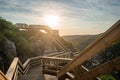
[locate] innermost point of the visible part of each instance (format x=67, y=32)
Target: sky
x=76, y=17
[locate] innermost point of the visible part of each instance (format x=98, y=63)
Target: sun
x=51, y=20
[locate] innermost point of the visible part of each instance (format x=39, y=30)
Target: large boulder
x=10, y=48
x=7, y=53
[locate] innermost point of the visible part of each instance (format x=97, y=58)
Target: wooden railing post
x=17, y=67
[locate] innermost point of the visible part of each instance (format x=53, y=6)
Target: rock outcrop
x=7, y=53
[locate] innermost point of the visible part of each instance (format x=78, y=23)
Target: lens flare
x=51, y=20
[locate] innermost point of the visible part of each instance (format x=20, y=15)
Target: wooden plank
x=105, y=40
x=54, y=54
x=17, y=67
x=51, y=72
x=15, y=74
x=55, y=58
x=26, y=63
x=2, y=76
x=12, y=68
x=35, y=58
x=105, y=68
x=67, y=53
x=56, y=41
x=50, y=66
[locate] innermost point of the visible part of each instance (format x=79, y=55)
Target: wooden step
x=35, y=73
x=49, y=77
x=31, y=77
x=50, y=72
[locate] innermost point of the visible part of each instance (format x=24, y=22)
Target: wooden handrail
x=2, y=76
x=17, y=67
x=75, y=54
x=54, y=61
x=56, y=39
x=54, y=54
x=100, y=43
x=12, y=68
x=51, y=65
x=64, y=54
x=49, y=31
x=26, y=62
x=61, y=46
x=55, y=58
x=106, y=68
x=105, y=40
x=60, y=54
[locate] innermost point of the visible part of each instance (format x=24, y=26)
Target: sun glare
x=51, y=20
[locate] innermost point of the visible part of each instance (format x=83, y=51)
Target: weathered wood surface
x=2, y=76
x=51, y=65
x=99, y=44
x=54, y=54
x=55, y=58
x=53, y=34
x=11, y=71
x=62, y=54
x=18, y=69
x=105, y=40
x=34, y=73
x=49, y=77
x=106, y=68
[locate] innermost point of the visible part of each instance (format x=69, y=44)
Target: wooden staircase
x=34, y=68
x=102, y=42
x=51, y=65
x=33, y=73
x=62, y=68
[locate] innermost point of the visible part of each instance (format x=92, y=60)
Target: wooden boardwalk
x=35, y=73
x=49, y=77
x=62, y=67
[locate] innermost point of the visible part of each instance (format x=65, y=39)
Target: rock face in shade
x=7, y=53
x=10, y=48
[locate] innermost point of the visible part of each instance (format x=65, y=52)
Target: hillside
x=25, y=43
x=80, y=41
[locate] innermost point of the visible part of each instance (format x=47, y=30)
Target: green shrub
x=8, y=30
x=107, y=77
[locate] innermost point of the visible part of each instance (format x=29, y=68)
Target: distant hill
x=80, y=41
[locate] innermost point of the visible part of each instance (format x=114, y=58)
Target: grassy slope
x=80, y=41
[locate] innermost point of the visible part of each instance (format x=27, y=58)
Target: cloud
x=92, y=14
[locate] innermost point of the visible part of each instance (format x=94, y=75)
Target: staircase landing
x=49, y=77
x=35, y=73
